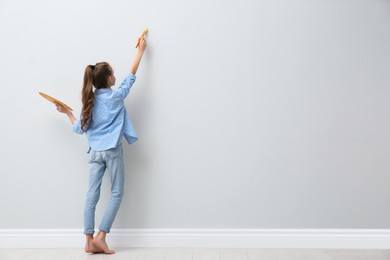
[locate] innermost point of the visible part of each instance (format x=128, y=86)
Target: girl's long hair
x=94, y=75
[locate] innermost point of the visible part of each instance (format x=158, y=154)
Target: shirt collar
x=102, y=90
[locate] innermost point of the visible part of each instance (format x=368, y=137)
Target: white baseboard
x=203, y=238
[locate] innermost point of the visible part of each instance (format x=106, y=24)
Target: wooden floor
x=199, y=254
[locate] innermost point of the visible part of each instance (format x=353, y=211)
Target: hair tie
x=92, y=67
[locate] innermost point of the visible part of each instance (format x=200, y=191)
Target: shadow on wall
x=136, y=156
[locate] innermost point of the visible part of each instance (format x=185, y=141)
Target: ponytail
x=87, y=97
x=95, y=75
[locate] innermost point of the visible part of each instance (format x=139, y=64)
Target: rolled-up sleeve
x=77, y=127
x=123, y=90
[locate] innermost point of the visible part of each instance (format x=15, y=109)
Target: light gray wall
x=250, y=114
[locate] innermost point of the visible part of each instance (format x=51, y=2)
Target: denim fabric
x=99, y=161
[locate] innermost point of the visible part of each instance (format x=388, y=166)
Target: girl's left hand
x=60, y=108
x=66, y=111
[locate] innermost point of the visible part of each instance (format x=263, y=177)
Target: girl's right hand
x=142, y=44
x=138, y=57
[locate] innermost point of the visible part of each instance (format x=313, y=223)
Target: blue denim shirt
x=109, y=122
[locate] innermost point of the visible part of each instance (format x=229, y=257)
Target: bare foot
x=91, y=248
x=100, y=243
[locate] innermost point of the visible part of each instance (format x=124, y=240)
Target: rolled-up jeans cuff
x=89, y=232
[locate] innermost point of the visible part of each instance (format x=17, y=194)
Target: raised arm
x=133, y=70
x=138, y=57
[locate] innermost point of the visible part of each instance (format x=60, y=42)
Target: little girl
x=105, y=121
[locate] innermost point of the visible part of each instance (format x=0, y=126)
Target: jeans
x=112, y=160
